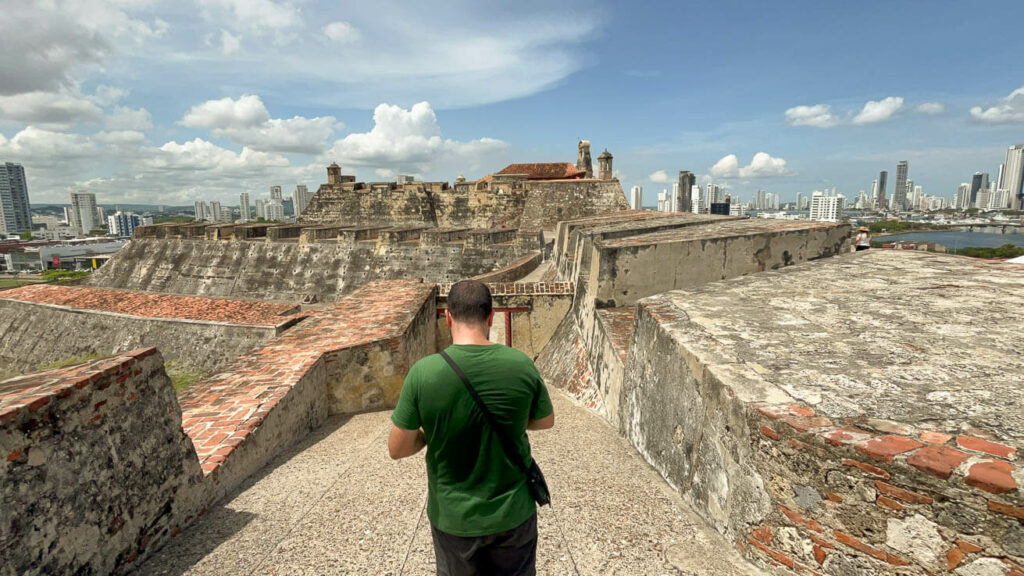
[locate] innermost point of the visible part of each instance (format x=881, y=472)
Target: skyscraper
x=899, y=193
x=83, y=212
x=882, y=177
x=301, y=198
x=15, y=213
x=275, y=194
x=978, y=183
x=1013, y=176
x=636, y=195
x=243, y=203
x=687, y=181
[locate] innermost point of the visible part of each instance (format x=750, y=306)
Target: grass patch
x=8, y=283
x=181, y=379
x=68, y=362
x=1004, y=251
x=64, y=275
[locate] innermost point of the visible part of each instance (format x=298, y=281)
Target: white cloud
x=660, y=177
x=246, y=112
x=48, y=108
x=122, y=137
x=931, y=108
x=1009, y=110
x=762, y=165
x=229, y=44
x=108, y=95
x=247, y=122
x=817, y=116
x=48, y=146
x=199, y=154
x=124, y=118
x=879, y=111
x=406, y=141
x=256, y=16
x=342, y=32
x=384, y=172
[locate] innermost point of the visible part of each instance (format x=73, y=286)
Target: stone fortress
x=821, y=412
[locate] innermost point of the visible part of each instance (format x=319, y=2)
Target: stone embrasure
x=848, y=416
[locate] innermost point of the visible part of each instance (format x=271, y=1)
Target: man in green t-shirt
x=483, y=519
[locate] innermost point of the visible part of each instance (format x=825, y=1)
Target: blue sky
x=169, y=102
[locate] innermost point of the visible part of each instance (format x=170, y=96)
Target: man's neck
x=472, y=335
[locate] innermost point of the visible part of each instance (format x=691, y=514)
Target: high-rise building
x=275, y=194
x=687, y=180
x=15, y=212
x=243, y=204
x=123, y=223
x=261, y=208
x=663, y=200
x=963, y=197
x=215, y=211
x=825, y=208
x=978, y=183
x=83, y=212
x=880, y=196
x=1012, y=179
x=998, y=200
x=275, y=210
x=696, y=201
x=636, y=196
x=899, y=192
x=301, y=198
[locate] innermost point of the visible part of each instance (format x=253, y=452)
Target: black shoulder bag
x=534, y=477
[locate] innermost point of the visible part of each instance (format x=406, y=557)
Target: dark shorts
x=509, y=553
x=859, y=248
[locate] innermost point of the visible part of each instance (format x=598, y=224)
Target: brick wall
x=96, y=471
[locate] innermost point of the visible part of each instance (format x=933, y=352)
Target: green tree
x=27, y=235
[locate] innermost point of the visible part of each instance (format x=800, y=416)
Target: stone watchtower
x=334, y=173
x=604, y=165
x=583, y=162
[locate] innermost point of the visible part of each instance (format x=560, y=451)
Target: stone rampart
x=95, y=470
x=848, y=416
x=552, y=201
x=290, y=271
x=44, y=324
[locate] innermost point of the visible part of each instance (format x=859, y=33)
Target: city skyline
x=148, y=105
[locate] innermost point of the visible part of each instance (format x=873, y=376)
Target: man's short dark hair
x=469, y=301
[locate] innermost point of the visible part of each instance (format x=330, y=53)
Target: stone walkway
x=336, y=504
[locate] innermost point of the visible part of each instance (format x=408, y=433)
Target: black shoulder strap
x=506, y=442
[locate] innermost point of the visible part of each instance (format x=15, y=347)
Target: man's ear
x=448, y=319
x=490, y=319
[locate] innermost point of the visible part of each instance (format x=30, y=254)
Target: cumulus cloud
x=762, y=165
x=48, y=108
x=254, y=16
x=1009, y=110
x=122, y=137
x=817, y=116
x=199, y=154
x=407, y=140
x=660, y=177
x=246, y=112
x=108, y=95
x=48, y=146
x=931, y=108
x=342, y=32
x=879, y=111
x=247, y=122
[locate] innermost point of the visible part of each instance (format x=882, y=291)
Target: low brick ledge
x=521, y=288
x=30, y=393
x=223, y=411
x=158, y=306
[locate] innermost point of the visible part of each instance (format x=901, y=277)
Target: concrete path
x=336, y=504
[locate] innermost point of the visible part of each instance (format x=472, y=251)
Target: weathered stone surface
x=917, y=537
x=97, y=469
x=290, y=271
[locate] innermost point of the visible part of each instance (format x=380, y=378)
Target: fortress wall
x=33, y=334
x=872, y=460
x=513, y=271
x=625, y=271
x=96, y=471
x=551, y=201
x=374, y=204
x=289, y=271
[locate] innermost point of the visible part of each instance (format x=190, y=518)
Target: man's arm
x=403, y=443
x=542, y=423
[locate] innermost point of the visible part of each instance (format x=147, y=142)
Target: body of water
x=955, y=239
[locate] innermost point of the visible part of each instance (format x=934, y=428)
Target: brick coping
x=157, y=306
x=618, y=326
x=221, y=412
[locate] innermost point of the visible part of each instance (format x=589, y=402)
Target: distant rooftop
x=544, y=170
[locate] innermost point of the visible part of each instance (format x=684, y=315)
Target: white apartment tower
x=300, y=199
x=243, y=204
x=636, y=195
x=83, y=212
x=1012, y=177
x=825, y=208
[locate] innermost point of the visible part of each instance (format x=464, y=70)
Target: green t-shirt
x=473, y=488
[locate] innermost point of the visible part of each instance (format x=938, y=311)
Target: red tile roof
x=153, y=305
x=544, y=170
